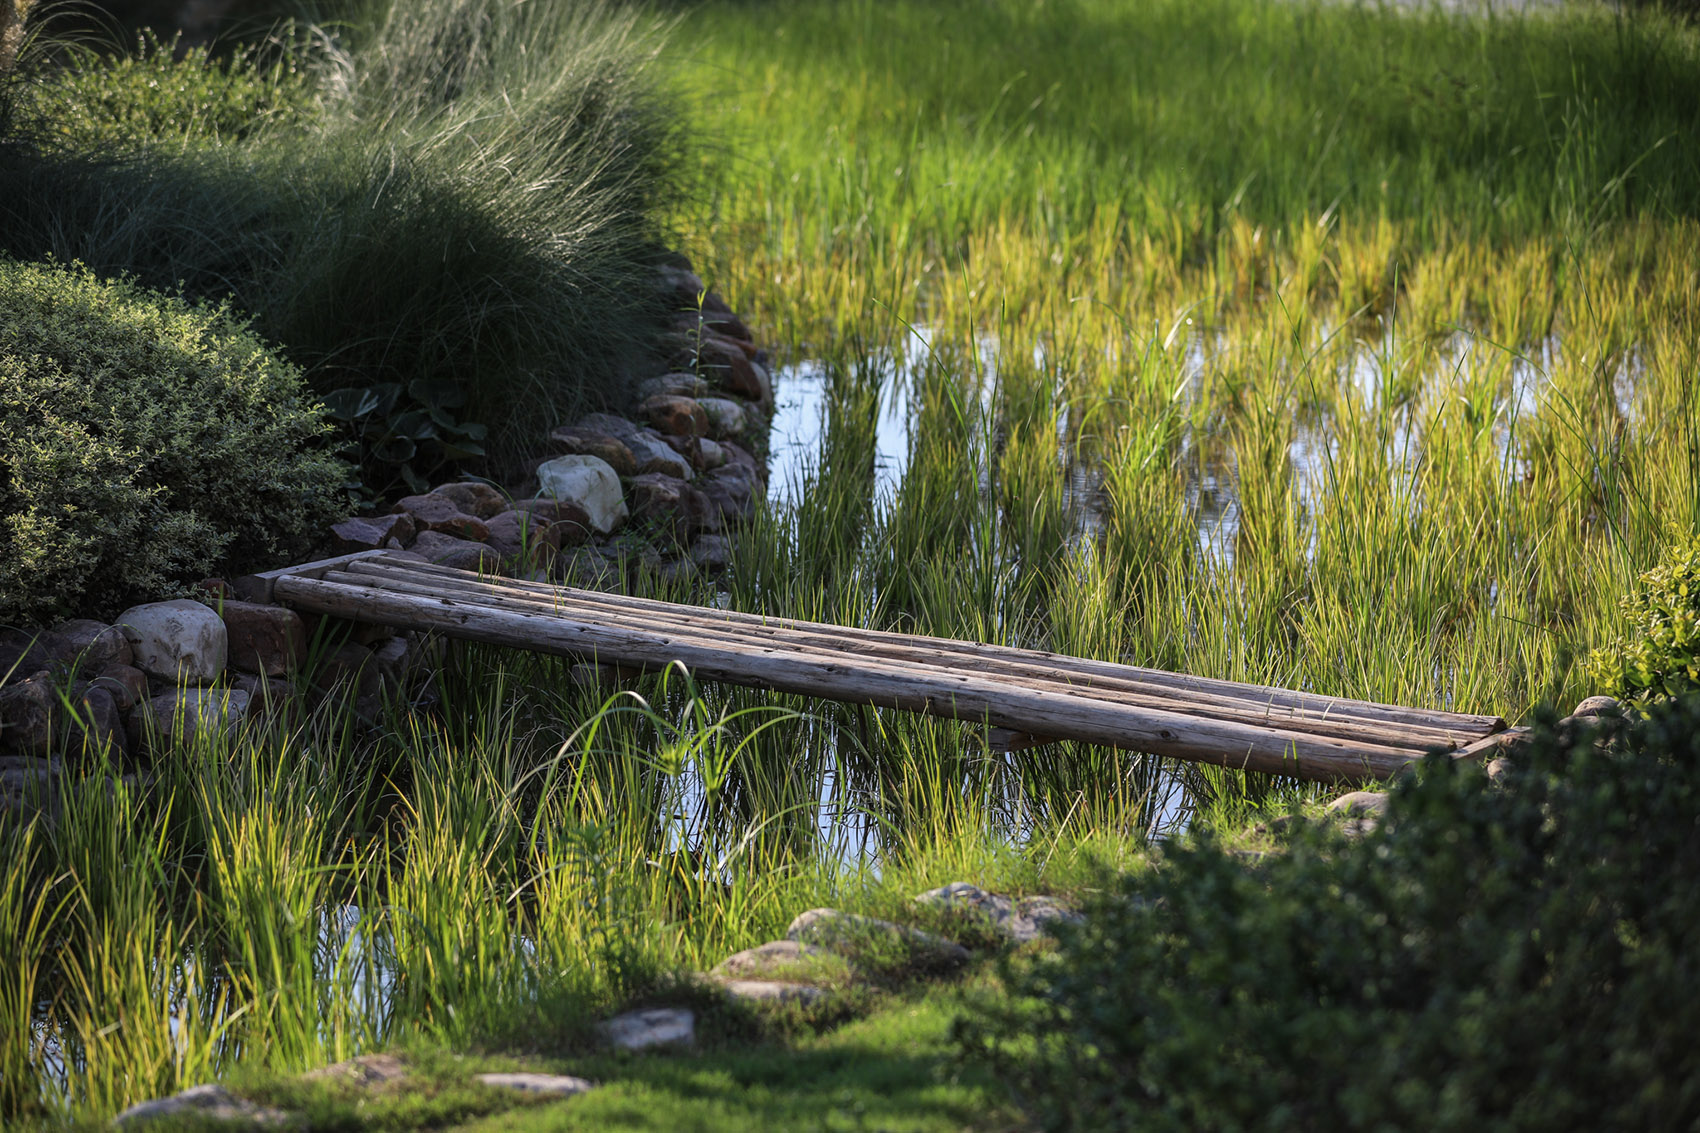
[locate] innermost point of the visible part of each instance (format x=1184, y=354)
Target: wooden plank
x=261, y=587
x=967, y=697
x=1313, y=712
x=709, y=632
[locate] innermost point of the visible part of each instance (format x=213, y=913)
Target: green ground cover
x=1325, y=346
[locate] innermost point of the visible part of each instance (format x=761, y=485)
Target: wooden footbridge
x=1026, y=696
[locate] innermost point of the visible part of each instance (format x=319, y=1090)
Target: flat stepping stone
x=773, y=958
x=773, y=991
x=561, y=1085
x=653, y=1027
x=1021, y=920
x=848, y=933
x=206, y=1102
x=366, y=1070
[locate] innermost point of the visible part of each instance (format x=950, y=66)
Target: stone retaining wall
x=613, y=497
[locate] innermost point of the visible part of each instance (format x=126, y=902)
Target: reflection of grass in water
x=1332, y=229
x=515, y=863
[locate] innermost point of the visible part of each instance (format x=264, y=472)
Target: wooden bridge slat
x=708, y=630
x=1042, y=712
x=1284, y=705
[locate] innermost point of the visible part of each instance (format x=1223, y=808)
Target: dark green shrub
x=144, y=442
x=1660, y=655
x=1525, y=958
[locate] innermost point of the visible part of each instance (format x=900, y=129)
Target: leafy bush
x=151, y=94
x=475, y=201
x=1488, y=959
x=143, y=443
x=1660, y=656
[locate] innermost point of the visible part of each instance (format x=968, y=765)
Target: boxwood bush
x=144, y=443
x=1516, y=958
x=1660, y=655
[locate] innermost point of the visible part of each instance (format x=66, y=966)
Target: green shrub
x=144, y=442
x=1660, y=655
x=1509, y=959
x=149, y=95
x=475, y=202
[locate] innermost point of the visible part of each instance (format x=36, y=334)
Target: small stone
x=577, y=441
x=689, y=447
x=589, y=483
x=607, y=423
x=1360, y=804
x=269, y=640
x=681, y=285
x=1021, y=920
x=1597, y=706
x=709, y=454
x=126, y=684
x=265, y=694
x=674, y=415
x=365, y=1070
x=726, y=418
x=188, y=713
x=558, y=1085
x=180, y=640
x=671, y=385
x=711, y=552
x=202, y=1103
x=394, y=659
x=369, y=533
x=461, y=554
x=653, y=454
x=848, y=933
x=96, y=643
x=473, y=497
x=739, y=455
x=773, y=991
x=553, y=511
x=656, y=1026
x=441, y=514
x=28, y=711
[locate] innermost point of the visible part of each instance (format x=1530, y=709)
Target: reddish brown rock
x=23, y=652
x=462, y=554
x=672, y=507
x=94, y=726
x=127, y=685
x=439, y=513
x=575, y=440
x=268, y=640
x=688, y=447
x=368, y=533
x=725, y=364
x=550, y=510
x=738, y=454
x=522, y=534
x=675, y=416
x=28, y=709
x=732, y=491
x=474, y=498
x=96, y=643
x=677, y=384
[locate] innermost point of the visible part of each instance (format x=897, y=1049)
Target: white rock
x=726, y=418
x=1361, y=804
x=180, y=640
x=1021, y=921
x=589, y=482
x=657, y=1026
x=774, y=957
x=202, y=1101
x=653, y=454
x=563, y=1085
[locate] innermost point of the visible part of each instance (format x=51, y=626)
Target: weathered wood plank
x=1041, y=711
x=1276, y=705
x=709, y=632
